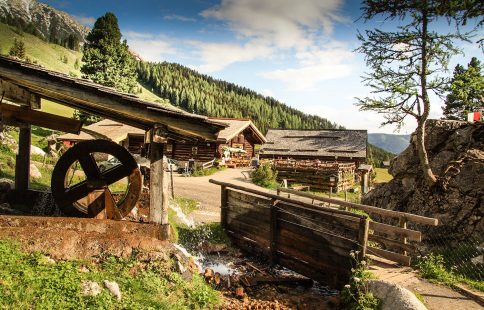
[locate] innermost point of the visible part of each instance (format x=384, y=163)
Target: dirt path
x=208, y=194
x=437, y=297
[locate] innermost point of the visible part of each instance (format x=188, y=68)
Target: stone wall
x=456, y=154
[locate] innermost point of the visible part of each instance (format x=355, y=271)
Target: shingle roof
x=112, y=130
x=236, y=126
x=315, y=143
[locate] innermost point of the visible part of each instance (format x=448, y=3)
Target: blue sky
x=299, y=52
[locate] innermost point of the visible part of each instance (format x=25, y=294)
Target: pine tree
x=107, y=60
x=466, y=91
x=18, y=49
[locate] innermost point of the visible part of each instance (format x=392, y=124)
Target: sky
x=299, y=52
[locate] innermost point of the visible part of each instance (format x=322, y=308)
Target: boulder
x=113, y=288
x=35, y=150
x=456, y=155
x=35, y=172
x=394, y=297
x=90, y=288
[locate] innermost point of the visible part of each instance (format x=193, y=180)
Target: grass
x=29, y=281
x=187, y=205
x=382, y=175
x=206, y=172
x=435, y=268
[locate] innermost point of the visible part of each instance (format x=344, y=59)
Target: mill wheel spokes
x=86, y=175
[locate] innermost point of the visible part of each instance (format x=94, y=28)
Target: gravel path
x=208, y=194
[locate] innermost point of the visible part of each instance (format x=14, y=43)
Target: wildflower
x=352, y=269
x=347, y=286
x=363, y=263
x=356, y=279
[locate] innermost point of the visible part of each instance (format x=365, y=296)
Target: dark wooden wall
x=357, y=161
x=185, y=151
x=312, y=242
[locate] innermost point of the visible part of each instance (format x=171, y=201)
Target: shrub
x=265, y=176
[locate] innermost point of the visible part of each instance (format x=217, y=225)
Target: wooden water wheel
x=87, y=174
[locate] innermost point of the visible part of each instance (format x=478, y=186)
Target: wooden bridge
x=317, y=241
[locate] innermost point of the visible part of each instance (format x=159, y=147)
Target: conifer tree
x=107, y=60
x=466, y=91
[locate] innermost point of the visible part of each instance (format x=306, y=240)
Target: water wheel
x=96, y=178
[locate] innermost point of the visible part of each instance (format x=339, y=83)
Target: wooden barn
x=328, y=145
x=321, y=159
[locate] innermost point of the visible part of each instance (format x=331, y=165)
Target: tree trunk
x=422, y=152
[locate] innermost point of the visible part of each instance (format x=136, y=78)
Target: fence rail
x=312, y=240
x=387, y=241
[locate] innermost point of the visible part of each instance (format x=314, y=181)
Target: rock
x=239, y=292
x=35, y=172
x=90, y=288
x=47, y=260
x=394, y=297
x=213, y=248
x=6, y=209
x=84, y=269
x=113, y=288
x=35, y=150
x=456, y=155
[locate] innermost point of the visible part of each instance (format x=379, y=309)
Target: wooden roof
x=235, y=126
x=105, y=129
x=315, y=143
x=105, y=101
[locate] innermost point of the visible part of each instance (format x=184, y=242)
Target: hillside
x=202, y=94
x=389, y=142
x=53, y=57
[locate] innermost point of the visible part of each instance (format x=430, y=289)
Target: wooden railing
x=312, y=240
x=393, y=240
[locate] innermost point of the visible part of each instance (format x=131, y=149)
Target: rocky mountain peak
x=48, y=23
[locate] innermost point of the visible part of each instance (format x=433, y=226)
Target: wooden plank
x=332, y=277
x=223, y=206
x=392, y=243
x=253, y=218
x=156, y=182
x=250, y=230
x=273, y=232
x=22, y=165
x=396, y=232
x=396, y=257
x=19, y=95
x=261, y=215
x=370, y=209
x=363, y=237
x=317, y=238
x=273, y=196
x=16, y=114
x=257, y=240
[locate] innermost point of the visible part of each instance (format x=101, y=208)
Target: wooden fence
x=312, y=240
x=389, y=235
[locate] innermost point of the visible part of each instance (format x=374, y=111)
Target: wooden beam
x=14, y=115
x=19, y=94
x=106, y=102
x=370, y=209
x=159, y=193
x=22, y=165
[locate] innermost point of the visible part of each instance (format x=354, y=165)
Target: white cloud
x=216, y=56
x=150, y=47
x=285, y=23
x=179, y=18
x=272, y=28
x=315, y=65
x=85, y=20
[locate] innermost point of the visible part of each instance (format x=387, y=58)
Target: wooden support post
x=172, y=184
x=273, y=232
x=363, y=237
x=22, y=165
x=223, y=206
x=402, y=222
x=158, y=189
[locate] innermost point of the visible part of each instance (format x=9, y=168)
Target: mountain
x=389, y=142
x=43, y=21
x=202, y=94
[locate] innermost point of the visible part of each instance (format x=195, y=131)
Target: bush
x=265, y=176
